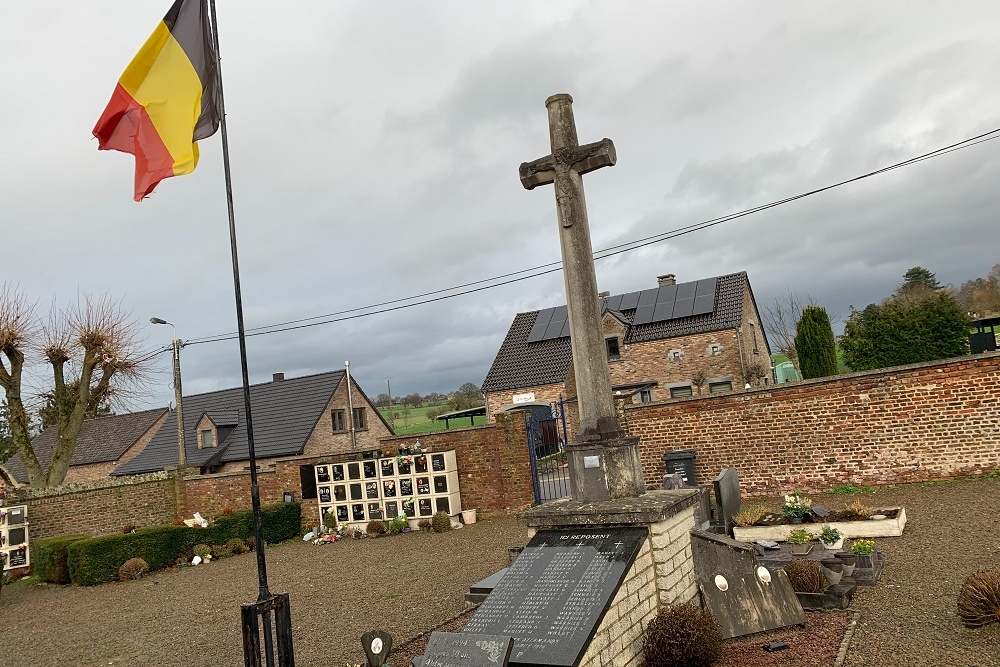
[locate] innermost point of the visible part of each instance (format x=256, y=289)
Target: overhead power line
x=551, y=267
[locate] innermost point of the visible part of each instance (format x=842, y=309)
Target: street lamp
x=181, y=453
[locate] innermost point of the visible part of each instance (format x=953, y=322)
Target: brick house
x=102, y=445
x=675, y=340
x=303, y=416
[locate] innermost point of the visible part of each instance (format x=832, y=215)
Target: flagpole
x=264, y=593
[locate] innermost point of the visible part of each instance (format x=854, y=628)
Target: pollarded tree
x=815, y=344
x=91, y=350
x=905, y=330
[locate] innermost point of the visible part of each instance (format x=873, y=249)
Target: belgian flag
x=166, y=99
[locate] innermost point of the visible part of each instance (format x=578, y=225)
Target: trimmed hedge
x=48, y=557
x=97, y=560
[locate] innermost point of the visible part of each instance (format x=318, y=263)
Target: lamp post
x=178, y=394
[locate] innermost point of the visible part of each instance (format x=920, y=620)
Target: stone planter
x=849, y=560
x=833, y=570
x=833, y=546
x=801, y=549
x=879, y=528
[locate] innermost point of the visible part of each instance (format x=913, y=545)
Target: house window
x=675, y=355
x=339, y=419
x=715, y=349
x=646, y=396
x=205, y=438
x=360, y=419
x=612, y=344
x=718, y=387
x=682, y=391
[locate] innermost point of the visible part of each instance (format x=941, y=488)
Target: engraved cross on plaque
x=600, y=436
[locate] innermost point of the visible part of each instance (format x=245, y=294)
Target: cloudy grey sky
x=375, y=148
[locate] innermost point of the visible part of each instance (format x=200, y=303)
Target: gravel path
x=411, y=583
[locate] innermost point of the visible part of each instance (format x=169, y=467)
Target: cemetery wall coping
x=27, y=492
x=649, y=508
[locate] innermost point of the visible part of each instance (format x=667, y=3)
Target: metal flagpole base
x=258, y=614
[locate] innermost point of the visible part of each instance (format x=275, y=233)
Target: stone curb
x=846, y=642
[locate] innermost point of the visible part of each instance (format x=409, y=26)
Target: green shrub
x=441, y=522
x=237, y=546
x=48, y=556
x=96, y=560
x=133, y=568
x=682, y=636
x=202, y=551
x=375, y=528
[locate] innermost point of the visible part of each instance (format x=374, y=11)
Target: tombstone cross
x=603, y=463
x=564, y=167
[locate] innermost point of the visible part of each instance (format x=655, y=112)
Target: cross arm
x=582, y=159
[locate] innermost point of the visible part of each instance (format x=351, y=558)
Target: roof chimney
x=667, y=279
x=277, y=377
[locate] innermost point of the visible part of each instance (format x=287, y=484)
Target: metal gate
x=547, y=453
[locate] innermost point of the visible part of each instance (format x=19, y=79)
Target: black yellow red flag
x=166, y=100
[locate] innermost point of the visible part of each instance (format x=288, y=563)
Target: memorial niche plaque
x=338, y=473
x=322, y=474
x=554, y=596
x=18, y=557
x=370, y=470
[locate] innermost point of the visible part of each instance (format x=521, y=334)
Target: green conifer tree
x=815, y=343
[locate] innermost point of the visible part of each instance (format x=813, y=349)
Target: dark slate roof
x=100, y=440
x=224, y=417
x=522, y=364
x=284, y=415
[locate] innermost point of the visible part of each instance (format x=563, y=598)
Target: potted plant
x=865, y=552
x=831, y=538
x=796, y=507
x=800, y=541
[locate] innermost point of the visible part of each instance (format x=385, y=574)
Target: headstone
x=745, y=597
x=553, y=597
x=674, y=481
x=727, y=496
x=466, y=649
x=377, y=645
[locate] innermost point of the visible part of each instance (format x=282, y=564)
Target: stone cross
x=603, y=464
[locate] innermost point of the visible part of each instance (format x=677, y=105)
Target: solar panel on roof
x=666, y=294
x=554, y=330
x=687, y=290
x=541, y=321
x=564, y=332
x=706, y=286
x=662, y=311
x=613, y=302
x=629, y=301
x=643, y=315
x=704, y=304
x=683, y=308
x=647, y=297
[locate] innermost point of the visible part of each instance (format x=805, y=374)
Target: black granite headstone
x=727, y=496
x=552, y=599
x=377, y=645
x=466, y=649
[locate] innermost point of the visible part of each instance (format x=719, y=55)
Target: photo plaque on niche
x=338, y=472
x=322, y=474
x=553, y=597
x=324, y=494
x=370, y=470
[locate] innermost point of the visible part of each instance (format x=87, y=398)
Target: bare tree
x=93, y=353
x=780, y=319
x=755, y=372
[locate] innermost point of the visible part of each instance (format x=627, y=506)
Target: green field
x=407, y=420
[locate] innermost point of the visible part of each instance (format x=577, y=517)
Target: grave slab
x=745, y=600
x=466, y=649
x=553, y=597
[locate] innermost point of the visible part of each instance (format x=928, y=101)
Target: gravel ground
x=412, y=583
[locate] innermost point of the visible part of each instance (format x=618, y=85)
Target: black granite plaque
x=370, y=470
x=342, y=513
x=324, y=494
x=406, y=487
x=371, y=490
x=440, y=484
x=340, y=492
x=442, y=505
x=408, y=508
x=553, y=597
x=15, y=516
x=424, y=507
x=423, y=485
x=420, y=463
x=353, y=471
x=466, y=649
x=322, y=473
x=404, y=466
x=388, y=488
x=356, y=492
x=388, y=467
x=17, y=558
x=358, y=512
x=391, y=509
x=437, y=462
x=338, y=472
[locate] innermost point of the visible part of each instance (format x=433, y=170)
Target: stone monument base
x=605, y=468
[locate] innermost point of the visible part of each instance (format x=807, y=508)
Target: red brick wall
x=493, y=467
x=911, y=423
x=100, y=508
